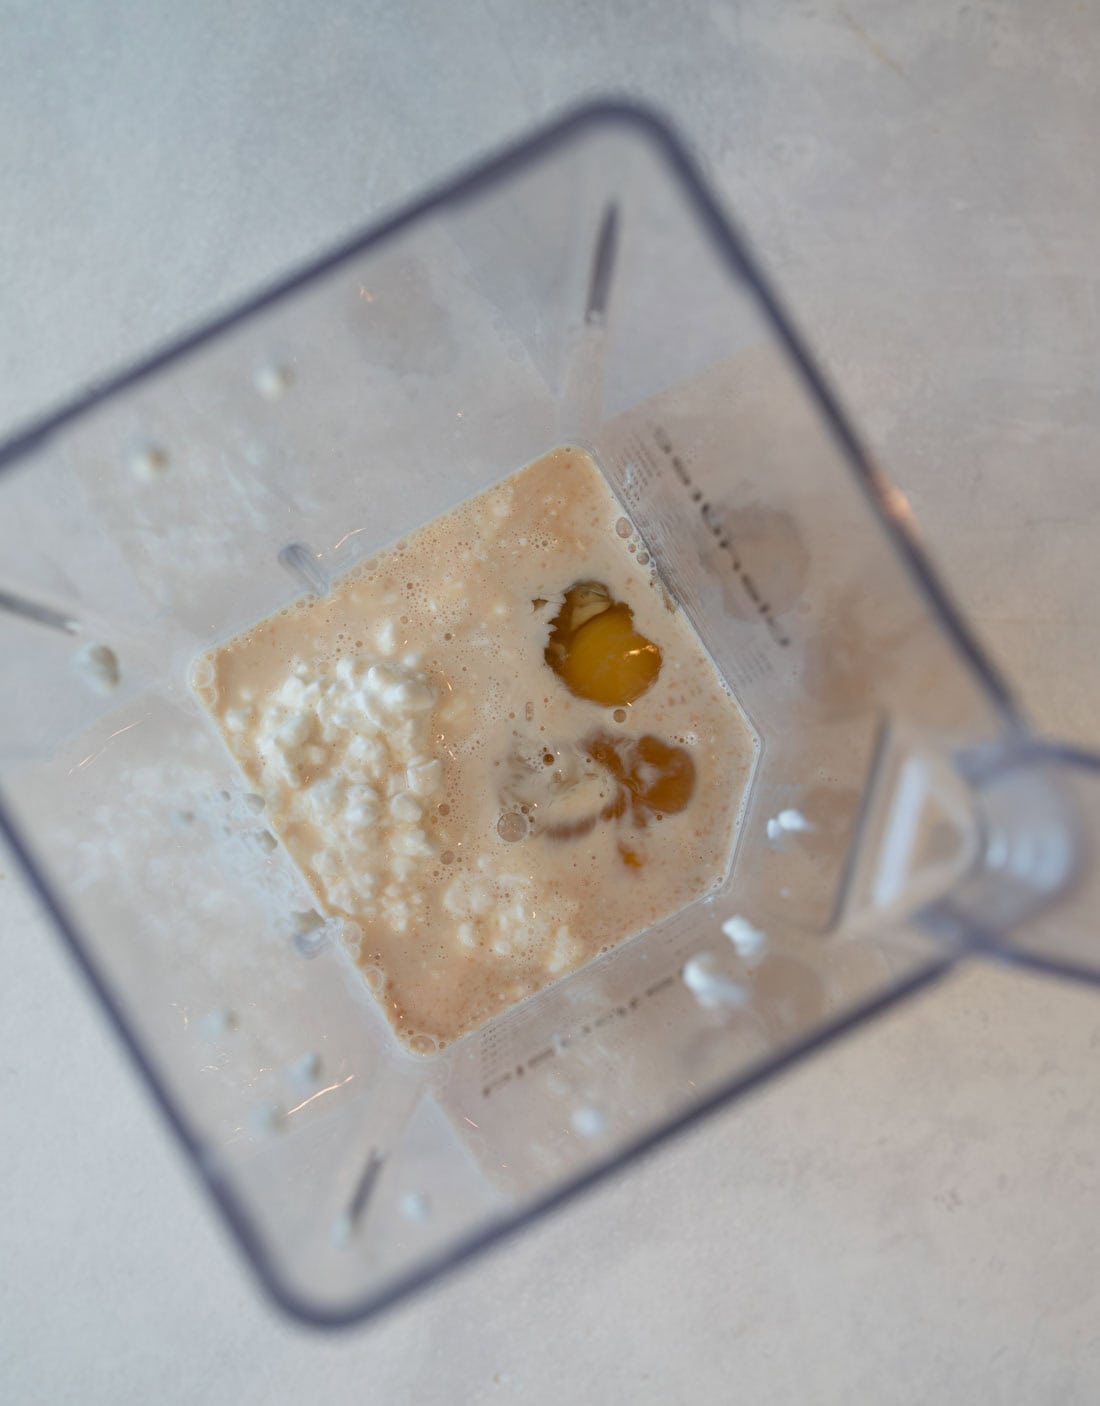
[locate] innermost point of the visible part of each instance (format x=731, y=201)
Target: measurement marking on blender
x=565, y=1042
x=722, y=533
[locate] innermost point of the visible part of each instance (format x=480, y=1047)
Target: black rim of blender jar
x=732, y=249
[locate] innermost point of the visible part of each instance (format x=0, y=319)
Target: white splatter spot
x=748, y=941
x=711, y=987
x=787, y=822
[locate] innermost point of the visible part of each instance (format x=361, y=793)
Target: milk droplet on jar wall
x=748, y=941
x=98, y=664
x=712, y=988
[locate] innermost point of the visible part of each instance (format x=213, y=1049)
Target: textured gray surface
x=911, y=1217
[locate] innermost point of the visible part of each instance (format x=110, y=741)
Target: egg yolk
x=595, y=650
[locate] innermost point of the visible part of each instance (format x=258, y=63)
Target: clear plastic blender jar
x=582, y=288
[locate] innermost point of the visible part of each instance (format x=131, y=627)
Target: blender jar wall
x=580, y=290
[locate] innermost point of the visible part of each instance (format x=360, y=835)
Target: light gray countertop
x=912, y=1216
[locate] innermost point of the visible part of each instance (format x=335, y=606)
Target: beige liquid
x=464, y=829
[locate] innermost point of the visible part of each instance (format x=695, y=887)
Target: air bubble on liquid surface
x=511, y=827
x=202, y=674
x=374, y=977
x=311, y=933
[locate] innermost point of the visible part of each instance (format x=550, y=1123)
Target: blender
x=582, y=288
